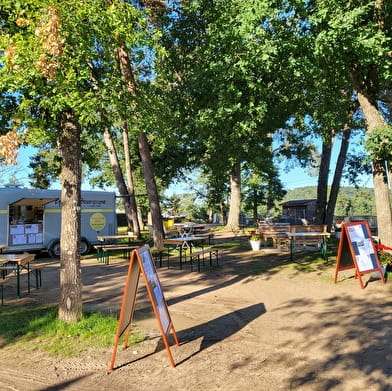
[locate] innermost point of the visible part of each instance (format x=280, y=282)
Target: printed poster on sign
x=157, y=293
x=363, y=248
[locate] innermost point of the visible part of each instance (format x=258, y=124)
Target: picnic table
x=17, y=262
x=106, y=246
x=322, y=236
x=184, y=243
x=109, y=238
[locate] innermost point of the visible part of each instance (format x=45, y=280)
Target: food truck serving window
x=34, y=201
x=26, y=220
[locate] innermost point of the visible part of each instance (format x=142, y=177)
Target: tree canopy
x=237, y=85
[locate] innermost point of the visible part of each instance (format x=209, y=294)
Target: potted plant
x=385, y=257
x=255, y=240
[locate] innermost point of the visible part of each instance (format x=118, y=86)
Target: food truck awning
x=33, y=201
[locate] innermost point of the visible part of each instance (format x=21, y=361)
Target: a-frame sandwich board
x=141, y=262
x=357, y=251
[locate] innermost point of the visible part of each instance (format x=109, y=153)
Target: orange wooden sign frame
x=141, y=262
x=357, y=251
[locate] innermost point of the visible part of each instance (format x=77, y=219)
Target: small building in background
x=304, y=210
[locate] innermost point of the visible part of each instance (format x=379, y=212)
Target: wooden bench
x=275, y=232
x=5, y=269
x=37, y=269
x=104, y=250
x=158, y=253
x=208, y=235
x=199, y=256
x=3, y=281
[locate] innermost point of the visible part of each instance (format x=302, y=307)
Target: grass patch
x=37, y=327
x=305, y=261
x=311, y=261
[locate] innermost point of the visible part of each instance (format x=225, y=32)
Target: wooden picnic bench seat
x=208, y=235
x=37, y=269
x=276, y=232
x=6, y=269
x=199, y=256
x=158, y=254
x=104, y=250
x=3, y=281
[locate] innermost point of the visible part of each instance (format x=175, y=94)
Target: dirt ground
x=288, y=328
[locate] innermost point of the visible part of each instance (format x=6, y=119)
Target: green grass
x=37, y=327
x=311, y=261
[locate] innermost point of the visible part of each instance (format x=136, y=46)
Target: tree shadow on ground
x=213, y=331
x=353, y=335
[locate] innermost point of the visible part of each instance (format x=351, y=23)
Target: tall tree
x=70, y=308
x=353, y=38
x=235, y=199
x=333, y=195
x=153, y=196
x=233, y=79
x=49, y=49
x=322, y=183
x=119, y=178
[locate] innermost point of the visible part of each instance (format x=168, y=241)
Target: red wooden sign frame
x=141, y=262
x=357, y=251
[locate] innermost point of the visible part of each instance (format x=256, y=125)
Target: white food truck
x=30, y=219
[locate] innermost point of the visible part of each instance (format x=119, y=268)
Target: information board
x=154, y=288
x=357, y=251
x=141, y=262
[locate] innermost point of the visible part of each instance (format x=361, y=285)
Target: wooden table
x=20, y=261
x=185, y=229
x=104, y=238
x=106, y=246
x=312, y=235
x=184, y=243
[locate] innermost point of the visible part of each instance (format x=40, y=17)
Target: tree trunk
x=70, y=308
x=131, y=187
x=333, y=196
x=255, y=205
x=118, y=175
x=144, y=150
x=222, y=212
x=382, y=200
x=322, y=183
x=140, y=216
x=122, y=58
x=375, y=120
x=235, y=197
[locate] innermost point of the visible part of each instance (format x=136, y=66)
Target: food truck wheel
x=85, y=246
x=54, y=249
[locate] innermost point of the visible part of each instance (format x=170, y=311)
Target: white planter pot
x=255, y=244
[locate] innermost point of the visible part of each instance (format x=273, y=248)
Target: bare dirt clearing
x=285, y=328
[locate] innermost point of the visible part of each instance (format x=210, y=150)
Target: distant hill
x=351, y=201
